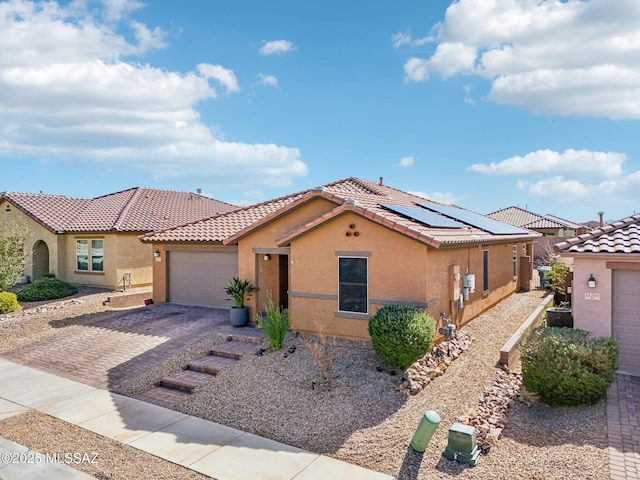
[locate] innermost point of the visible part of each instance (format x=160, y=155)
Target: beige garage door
x=200, y=277
x=626, y=319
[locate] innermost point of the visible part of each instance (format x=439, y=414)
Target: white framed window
x=353, y=284
x=90, y=255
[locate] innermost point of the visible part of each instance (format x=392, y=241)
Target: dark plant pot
x=559, y=317
x=239, y=317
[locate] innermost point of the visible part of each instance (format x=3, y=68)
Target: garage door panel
x=626, y=319
x=200, y=277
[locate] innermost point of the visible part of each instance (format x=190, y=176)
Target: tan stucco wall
x=38, y=233
x=123, y=253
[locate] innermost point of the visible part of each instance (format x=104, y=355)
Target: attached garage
x=626, y=319
x=199, y=276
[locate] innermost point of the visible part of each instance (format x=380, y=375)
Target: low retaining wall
x=510, y=349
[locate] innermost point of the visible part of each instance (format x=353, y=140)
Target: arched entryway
x=40, y=260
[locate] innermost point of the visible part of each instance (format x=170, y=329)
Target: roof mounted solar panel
x=475, y=219
x=424, y=216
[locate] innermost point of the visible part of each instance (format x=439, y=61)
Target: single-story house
x=606, y=285
x=334, y=255
x=548, y=225
x=94, y=241
x=553, y=229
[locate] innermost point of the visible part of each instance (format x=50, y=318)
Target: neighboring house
x=606, y=286
x=334, y=255
x=94, y=241
x=547, y=225
x=552, y=228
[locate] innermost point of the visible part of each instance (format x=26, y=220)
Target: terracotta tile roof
x=351, y=194
x=622, y=236
x=523, y=218
x=134, y=210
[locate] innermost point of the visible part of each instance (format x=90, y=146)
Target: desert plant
x=275, y=323
x=401, y=334
x=564, y=366
x=239, y=290
x=557, y=275
x=45, y=288
x=324, y=350
x=13, y=254
x=8, y=302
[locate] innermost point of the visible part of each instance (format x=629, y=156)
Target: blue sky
x=481, y=103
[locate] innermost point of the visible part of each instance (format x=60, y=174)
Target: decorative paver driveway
x=108, y=352
x=623, y=427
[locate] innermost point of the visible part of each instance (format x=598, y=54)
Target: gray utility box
x=462, y=446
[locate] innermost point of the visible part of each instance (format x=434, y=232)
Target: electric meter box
x=462, y=446
x=469, y=281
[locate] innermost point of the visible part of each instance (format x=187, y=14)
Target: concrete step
x=250, y=337
x=233, y=349
x=126, y=300
x=186, y=380
x=211, y=364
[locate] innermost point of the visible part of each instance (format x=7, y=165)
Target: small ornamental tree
x=13, y=254
x=401, y=334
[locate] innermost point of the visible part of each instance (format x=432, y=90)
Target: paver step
x=162, y=396
x=210, y=364
x=124, y=300
x=233, y=349
x=186, y=380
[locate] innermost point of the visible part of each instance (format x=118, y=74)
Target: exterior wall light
x=591, y=282
x=267, y=257
x=156, y=254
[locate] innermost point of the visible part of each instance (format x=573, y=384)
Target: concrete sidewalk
x=200, y=445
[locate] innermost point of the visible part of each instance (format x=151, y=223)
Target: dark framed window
x=352, y=284
x=515, y=261
x=485, y=271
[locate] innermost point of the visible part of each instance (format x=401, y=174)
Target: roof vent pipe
x=600, y=214
x=380, y=180
x=198, y=191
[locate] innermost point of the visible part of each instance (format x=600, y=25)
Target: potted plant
x=239, y=290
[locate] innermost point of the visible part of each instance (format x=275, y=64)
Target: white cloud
x=579, y=163
x=568, y=58
x=406, y=162
x=574, y=176
x=405, y=38
x=224, y=76
x=440, y=197
x=276, y=47
x=66, y=94
x=268, y=80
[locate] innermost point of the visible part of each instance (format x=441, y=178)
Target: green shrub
x=401, y=334
x=45, y=288
x=8, y=302
x=564, y=366
x=274, y=323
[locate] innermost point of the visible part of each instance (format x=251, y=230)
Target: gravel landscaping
x=356, y=412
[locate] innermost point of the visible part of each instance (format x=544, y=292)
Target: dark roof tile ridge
x=115, y=193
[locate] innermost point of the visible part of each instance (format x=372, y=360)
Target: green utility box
x=425, y=431
x=462, y=446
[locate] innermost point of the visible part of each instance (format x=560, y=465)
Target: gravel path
x=359, y=417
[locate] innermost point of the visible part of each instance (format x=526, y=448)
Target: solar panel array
x=475, y=219
x=424, y=216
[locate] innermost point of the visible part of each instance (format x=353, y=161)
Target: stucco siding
x=38, y=233
x=593, y=311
